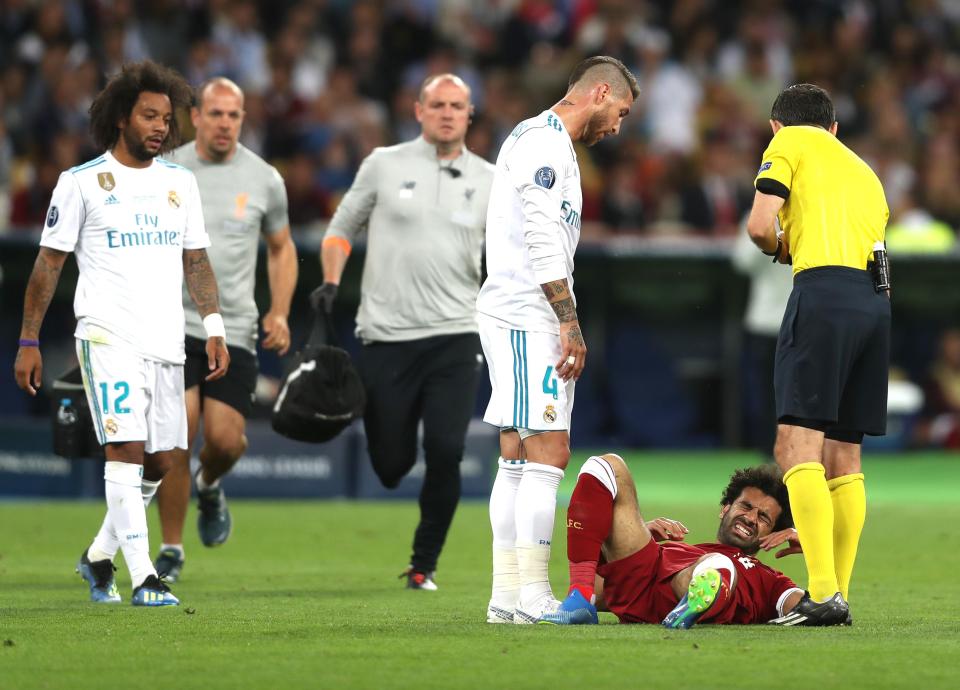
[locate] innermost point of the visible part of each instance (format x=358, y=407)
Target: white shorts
x=527, y=395
x=132, y=398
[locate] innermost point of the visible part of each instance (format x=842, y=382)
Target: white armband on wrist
x=213, y=325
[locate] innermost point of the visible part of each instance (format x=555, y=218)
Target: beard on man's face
x=138, y=147
x=728, y=535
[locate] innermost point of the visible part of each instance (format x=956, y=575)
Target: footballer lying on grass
x=677, y=584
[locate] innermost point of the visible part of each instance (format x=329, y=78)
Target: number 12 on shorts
x=121, y=387
x=550, y=383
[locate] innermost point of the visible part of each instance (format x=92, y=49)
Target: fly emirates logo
x=147, y=234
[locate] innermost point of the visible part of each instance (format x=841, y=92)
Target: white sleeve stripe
x=783, y=598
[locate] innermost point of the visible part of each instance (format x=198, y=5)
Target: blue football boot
x=574, y=610
x=99, y=575
x=153, y=592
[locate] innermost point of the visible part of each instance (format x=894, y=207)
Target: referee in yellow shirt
x=830, y=376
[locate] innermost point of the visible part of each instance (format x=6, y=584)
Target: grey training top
x=241, y=198
x=424, y=242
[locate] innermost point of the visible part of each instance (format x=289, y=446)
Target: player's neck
x=127, y=159
x=573, y=114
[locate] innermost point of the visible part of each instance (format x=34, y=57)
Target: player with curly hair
x=644, y=573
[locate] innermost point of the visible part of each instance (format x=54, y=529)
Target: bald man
x=243, y=199
x=424, y=204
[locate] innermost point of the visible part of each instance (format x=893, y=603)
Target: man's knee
x=226, y=443
x=391, y=465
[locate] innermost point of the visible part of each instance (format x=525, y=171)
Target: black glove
x=323, y=296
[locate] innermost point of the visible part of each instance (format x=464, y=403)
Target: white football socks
x=106, y=544
x=536, y=507
x=128, y=517
x=503, y=500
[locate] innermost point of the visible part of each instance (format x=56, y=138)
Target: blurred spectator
x=941, y=418
x=307, y=203
x=914, y=230
x=331, y=73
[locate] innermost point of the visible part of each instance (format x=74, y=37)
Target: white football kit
x=533, y=227
x=128, y=228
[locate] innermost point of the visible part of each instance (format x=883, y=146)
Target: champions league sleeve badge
x=545, y=177
x=53, y=215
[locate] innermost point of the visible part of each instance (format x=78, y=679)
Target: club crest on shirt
x=550, y=414
x=110, y=426
x=468, y=193
x=106, y=181
x=173, y=199
x=545, y=177
x=53, y=215
x=240, y=207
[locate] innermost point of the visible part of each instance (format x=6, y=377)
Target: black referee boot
x=833, y=611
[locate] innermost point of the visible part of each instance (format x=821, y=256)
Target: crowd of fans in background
x=326, y=81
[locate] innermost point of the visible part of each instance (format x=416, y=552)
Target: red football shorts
x=637, y=588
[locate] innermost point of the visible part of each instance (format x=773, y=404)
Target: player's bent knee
x=717, y=561
x=602, y=470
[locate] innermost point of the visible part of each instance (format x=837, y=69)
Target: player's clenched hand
x=665, y=529
x=218, y=358
x=775, y=539
x=573, y=351
x=28, y=369
x=277, y=333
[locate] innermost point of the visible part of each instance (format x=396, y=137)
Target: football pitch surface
x=305, y=594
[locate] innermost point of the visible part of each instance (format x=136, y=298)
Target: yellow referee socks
x=849, y=513
x=813, y=517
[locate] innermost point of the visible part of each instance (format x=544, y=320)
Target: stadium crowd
x=329, y=80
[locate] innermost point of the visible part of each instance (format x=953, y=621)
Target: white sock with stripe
x=126, y=513
x=106, y=544
x=536, y=507
x=503, y=522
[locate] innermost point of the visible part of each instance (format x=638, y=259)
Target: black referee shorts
x=833, y=354
x=235, y=388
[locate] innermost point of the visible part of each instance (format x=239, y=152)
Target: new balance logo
x=111, y=200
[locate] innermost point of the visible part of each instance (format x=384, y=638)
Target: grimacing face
x=148, y=126
x=218, y=120
x=444, y=112
x=748, y=519
x=607, y=119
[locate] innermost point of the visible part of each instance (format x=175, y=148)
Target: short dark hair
x=606, y=68
x=804, y=104
x=766, y=478
x=116, y=101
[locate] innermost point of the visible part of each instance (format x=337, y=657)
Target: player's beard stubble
x=727, y=535
x=136, y=146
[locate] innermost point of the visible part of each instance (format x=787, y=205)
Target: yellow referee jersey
x=835, y=208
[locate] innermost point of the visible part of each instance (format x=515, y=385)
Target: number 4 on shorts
x=550, y=383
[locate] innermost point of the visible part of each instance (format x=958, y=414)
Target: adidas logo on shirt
x=111, y=200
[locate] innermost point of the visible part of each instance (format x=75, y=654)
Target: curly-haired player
x=647, y=575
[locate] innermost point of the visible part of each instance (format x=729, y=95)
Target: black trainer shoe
x=169, y=564
x=833, y=611
x=417, y=579
x=213, y=522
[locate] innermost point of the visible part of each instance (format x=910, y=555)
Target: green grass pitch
x=305, y=595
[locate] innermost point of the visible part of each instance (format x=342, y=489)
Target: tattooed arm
x=202, y=286
x=201, y=283
x=573, y=356
x=28, y=367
